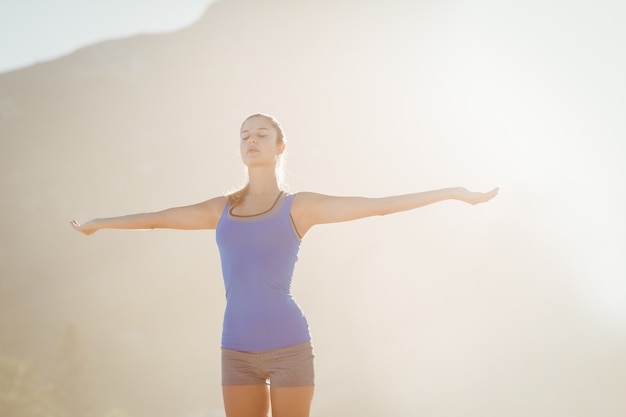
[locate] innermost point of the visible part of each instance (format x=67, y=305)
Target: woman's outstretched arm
x=310, y=208
x=203, y=215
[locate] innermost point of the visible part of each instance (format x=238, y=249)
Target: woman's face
x=259, y=144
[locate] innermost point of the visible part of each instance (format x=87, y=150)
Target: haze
x=513, y=308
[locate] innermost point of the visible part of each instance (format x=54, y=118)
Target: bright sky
x=33, y=31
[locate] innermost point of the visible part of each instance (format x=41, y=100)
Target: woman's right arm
x=203, y=215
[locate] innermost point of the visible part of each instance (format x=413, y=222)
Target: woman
x=267, y=356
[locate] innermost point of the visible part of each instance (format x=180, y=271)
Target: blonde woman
x=267, y=356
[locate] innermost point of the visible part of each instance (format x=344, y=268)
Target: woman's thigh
x=246, y=400
x=291, y=401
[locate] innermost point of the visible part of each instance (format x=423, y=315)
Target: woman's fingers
x=491, y=194
x=477, y=198
x=81, y=228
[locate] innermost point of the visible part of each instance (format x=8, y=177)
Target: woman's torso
x=258, y=254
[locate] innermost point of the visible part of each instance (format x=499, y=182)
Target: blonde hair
x=238, y=196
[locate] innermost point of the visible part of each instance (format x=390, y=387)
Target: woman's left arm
x=310, y=209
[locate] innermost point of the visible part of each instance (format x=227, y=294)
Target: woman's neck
x=263, y=183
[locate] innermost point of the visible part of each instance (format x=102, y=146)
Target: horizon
x=30, y=34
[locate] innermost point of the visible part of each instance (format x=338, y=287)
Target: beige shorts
x=290, y=366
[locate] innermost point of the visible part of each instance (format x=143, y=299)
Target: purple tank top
x=258, y=255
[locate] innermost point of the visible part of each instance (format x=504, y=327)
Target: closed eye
x=260, y=132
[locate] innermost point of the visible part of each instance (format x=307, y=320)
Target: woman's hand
x=474, y=197
x=87, y=228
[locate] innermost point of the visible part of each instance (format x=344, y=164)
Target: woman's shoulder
x=215, y=204
x=311, y=195
x=306, y=199
x=306, y=195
